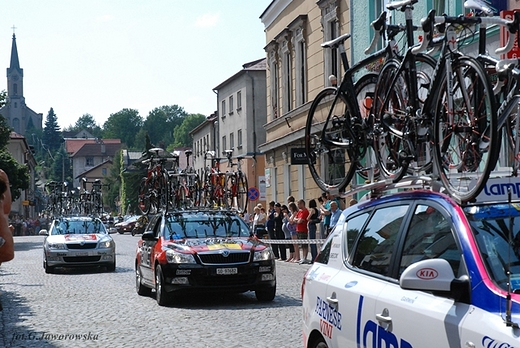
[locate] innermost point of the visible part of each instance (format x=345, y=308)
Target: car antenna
x=509, y=322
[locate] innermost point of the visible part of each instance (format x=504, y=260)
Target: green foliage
x=88, y=123
x=123, y=125
x=181, y=133
x=5, y=132
x=161, y=122
x=17, y=173
x=113, y=179
x=61, y=168
x=52, y=138
x=130, y=191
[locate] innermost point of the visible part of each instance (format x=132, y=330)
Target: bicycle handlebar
x=378, y=25
x=479, y=6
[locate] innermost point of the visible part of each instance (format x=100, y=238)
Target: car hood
x=211, y=244
x=76, y=238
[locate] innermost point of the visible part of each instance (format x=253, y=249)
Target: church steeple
x=15, y=63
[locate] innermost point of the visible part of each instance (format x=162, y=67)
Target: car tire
x=112, y=267
x=266, y=294
x=133, y=232
x=121, y=232
x=160, y=294
x=319, y=342
x=139, y=287
x=48, y=269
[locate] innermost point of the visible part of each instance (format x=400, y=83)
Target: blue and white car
x=78, y=241
x=416, y=269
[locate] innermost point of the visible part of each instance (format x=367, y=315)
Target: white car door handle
x=332, y=300
x=384, y=317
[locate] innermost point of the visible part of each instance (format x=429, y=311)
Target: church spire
x=15, y=63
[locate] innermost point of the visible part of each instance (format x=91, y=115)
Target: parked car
x=205, y=251
x=78, y=242
x=415, y=269
x=127, y=225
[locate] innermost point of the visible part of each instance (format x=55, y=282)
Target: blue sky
x=100, y=56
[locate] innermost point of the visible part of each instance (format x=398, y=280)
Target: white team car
x=415, y=269
x=78, y=242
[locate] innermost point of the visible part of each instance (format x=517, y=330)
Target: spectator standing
x=325, y=214
x=258, y=227
x=312, y=221
x=278, y=232
x=335, y=213
x=287, y=231
x=301, y=229
x=6, y=231
x=293, y=208
x=270, y=228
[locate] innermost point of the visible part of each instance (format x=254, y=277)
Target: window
x=223, y=110
x=224, y=143
x=376, y=245
x=330, y=23
x=300, y=62
x=272, y=62
x=231, y=106
x=286, y=75
x=428, y=237
x=239, y=100
x=89, y=161
x=354, y=227
x=239, y=138
x=104, y=171
x=15, y=88
x=231, y=141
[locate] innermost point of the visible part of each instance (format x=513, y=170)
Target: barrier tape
x=293, y=241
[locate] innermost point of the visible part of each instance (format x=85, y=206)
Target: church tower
x=18, y=115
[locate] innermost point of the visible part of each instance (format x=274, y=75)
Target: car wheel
x=121, y=232
x=112, y=267
x=48, y=269
x=318, y=343
x=133, y=232
x=160, y=294
x=266, y=294
x=139, y=287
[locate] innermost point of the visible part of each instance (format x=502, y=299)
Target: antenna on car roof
x=509, y=322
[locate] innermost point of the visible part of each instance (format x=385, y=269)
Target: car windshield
x=78, y=227
x=497, y=232
x=203, y=225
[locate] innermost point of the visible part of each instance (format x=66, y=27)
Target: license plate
x=227, y=270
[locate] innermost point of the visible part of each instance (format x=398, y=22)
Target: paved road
x=99, y=309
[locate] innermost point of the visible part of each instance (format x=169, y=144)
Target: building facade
x=19, y=116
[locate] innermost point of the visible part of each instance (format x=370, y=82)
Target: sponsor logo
x=427, y=273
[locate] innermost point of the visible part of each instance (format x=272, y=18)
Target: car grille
x=214, y=258
x=82, y=246
x=82, y=258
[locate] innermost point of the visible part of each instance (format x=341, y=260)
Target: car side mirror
x=149, y=235
x=43, y=232
x=428, y=275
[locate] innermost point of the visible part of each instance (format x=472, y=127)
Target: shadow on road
x=13, y=331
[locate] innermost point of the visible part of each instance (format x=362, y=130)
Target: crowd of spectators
x=296, y=221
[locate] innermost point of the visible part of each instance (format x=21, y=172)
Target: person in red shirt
x=301, y=229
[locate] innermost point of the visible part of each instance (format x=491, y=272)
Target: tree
x=52, y=138
x=61, y=169
x=113, y=179
x=161, y=122
x=88, y=123
x=181, y=133
x=123, y=125
x=18, y=173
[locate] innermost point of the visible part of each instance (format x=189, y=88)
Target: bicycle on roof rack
x=236, y=195
x=153, y=189
x=213, y=183
x=184, y=185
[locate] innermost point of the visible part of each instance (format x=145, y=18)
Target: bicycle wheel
x=164, y=191
x=466, y=141
x=402, y=138
x=236, y=192
x=328, y=139
x=365, y=88
x=144, y=197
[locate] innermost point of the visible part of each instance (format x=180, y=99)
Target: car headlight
x=105, y=244
x=60, y=246
x=263, y=255
x=175, y=257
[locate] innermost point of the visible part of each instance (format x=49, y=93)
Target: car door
x=146, y=249
x=410, y=318
x=369, y=245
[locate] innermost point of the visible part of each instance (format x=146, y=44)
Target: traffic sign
x=253, y=193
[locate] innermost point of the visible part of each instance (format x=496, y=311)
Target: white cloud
x=207, y=20
x=105, y=18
